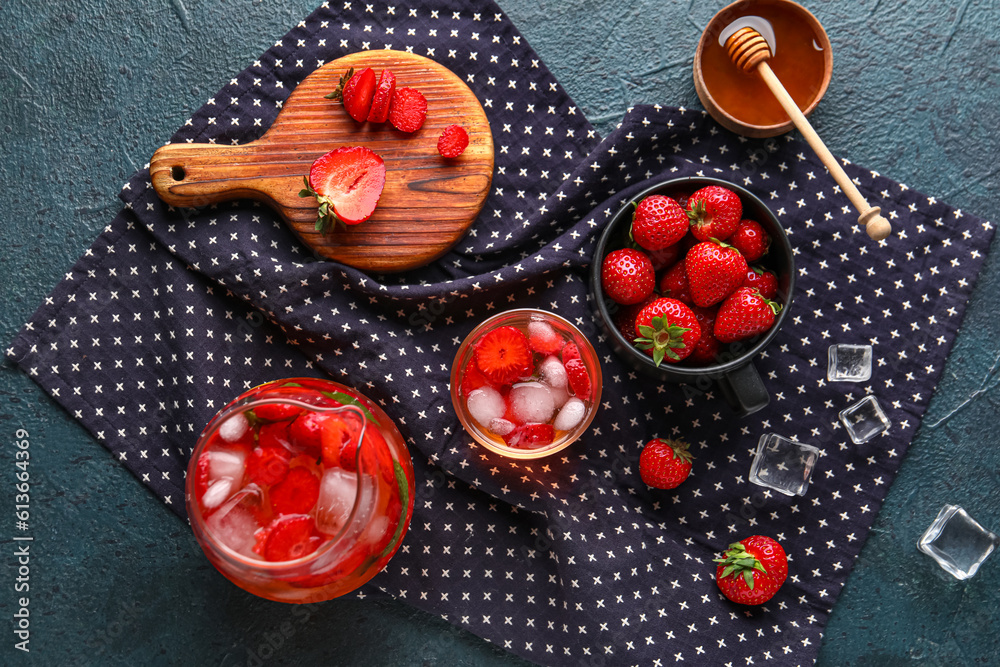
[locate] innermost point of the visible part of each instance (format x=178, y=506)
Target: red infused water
x=526, y=383
x=300, y=490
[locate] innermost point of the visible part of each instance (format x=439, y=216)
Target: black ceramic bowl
x=733, y=372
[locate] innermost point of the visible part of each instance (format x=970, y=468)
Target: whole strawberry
x=714, y=270
x=666, y=330
x=674, y=283
x=627, y=276
x=752, y=570
x=714, y=212
x=763, y=281
x=744, y=314
x=658, y=222
x=750, y=239
x=664, y=464
x=706, y=350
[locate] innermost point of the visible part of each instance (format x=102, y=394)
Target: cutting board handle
x=191, y=175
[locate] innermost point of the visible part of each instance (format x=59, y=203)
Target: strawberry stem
x=739, y=562
x=662, y=338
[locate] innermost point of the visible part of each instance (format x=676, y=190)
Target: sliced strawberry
x=453, y=141
x=296, y=494
x=531, y=436
x=268, y=465
x=408, y=110
x=347, y=182
x=503, y=355
x=473, y=379
x=304, y=432
x=571, y=351
x=357, y=94
x=542, y=338
x=201, y=475
x=276, y=411
x=335, y=433
x=579, y=379
x=379, y=112
x=291, y=537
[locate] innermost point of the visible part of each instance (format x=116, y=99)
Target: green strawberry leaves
x=326, y=215
x=338, y=93
x=662, y=338
x=739, y=562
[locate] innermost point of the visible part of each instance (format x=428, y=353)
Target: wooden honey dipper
x=749, y=51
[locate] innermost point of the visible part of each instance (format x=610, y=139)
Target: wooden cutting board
x=428, y=202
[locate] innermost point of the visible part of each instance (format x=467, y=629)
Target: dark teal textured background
x=89, y=89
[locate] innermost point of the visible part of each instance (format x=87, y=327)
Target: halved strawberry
x=347, y=182
x=408, y=110
x=453, y=141
x=503, y=355
x=356, y=92
x=379, y=112
x=531, y=436
x=296, y=494
x=291, y=537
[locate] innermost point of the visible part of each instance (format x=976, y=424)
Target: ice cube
x=849, y=363
x=217, y=492
x=501, y=426
x=531, y=402
x=864, y=420
x=235, y=523
x=559, y=396
x=783, y=465
x=486, y=404
x=226, y=463
x=234, y=427
x=338, y=490
x=553, y=372
x=570, y=415
x=957, y=542
x=543, y=337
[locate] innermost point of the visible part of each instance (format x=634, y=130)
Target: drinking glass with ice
x=526, y=383
x=300, y=490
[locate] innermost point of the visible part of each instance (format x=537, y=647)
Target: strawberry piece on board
x=356, y=92
x=347, y=182
x=408, y=110
x=453, y=141
x=382, y=99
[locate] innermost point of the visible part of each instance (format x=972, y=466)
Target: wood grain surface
x=428, y=202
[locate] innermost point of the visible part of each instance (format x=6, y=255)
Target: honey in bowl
x=800, y=58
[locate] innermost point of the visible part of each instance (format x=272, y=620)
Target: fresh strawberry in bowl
x=706, y=272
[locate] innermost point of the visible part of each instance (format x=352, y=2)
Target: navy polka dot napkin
x=567, y=560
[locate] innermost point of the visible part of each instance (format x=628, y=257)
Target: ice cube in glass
x=849, y=363
x=957, y=542
x=864, y=420
x=783, y=464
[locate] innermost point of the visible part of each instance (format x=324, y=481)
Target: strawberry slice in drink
x=291, y=537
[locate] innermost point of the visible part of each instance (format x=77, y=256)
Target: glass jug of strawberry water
x=300, y=490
